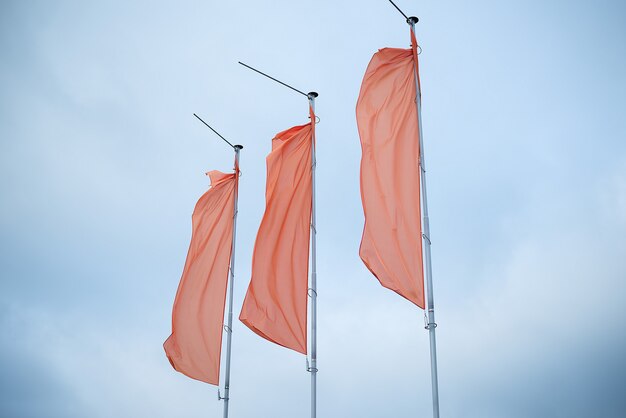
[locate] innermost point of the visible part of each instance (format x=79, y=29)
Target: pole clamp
x=220, y=397
x=312, y=293
x=427, y=239
x=227, y=329
x=429, y=325
x=309, y=368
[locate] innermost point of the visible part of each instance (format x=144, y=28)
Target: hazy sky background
x=101, y=163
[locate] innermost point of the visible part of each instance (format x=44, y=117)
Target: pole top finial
x=238, y=147
x=412, y=20
x=312, y=95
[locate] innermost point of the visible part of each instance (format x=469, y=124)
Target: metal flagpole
x=313, y=289
x=229, y=327
x=231, y=282
x=430, y=305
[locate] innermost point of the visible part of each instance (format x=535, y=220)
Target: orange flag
x=391, y=246
x=275, y=306
x=195, y=346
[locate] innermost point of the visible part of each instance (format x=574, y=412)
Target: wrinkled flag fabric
x=195, y=346
x=391, y=246
x=275, y=306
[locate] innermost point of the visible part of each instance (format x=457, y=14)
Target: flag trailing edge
x=391, y=245
x=275, y=305
x=194, y=347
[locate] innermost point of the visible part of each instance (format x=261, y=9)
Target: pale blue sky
x=101, y=162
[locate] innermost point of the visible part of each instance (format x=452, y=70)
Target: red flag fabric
x=195, y=346
x=391, y=246
x=275, y=306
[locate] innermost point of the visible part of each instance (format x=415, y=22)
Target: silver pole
x=311, y=366
x=430, y=304
x=231, y=283
x=313, y=289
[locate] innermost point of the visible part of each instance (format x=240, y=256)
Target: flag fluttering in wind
x=275, y=306
x=391, y=246
x=194, y=348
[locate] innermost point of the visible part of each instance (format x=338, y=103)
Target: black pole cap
x=238, y=146
x=412, y=20
x=312, y=94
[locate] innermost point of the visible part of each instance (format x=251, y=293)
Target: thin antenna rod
x=216, y=133
x=272, y=78
x=398, y=9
